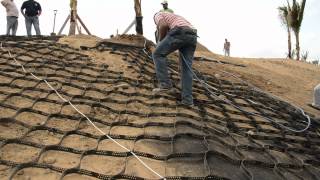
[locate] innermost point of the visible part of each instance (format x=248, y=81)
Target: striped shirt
x=172, y=20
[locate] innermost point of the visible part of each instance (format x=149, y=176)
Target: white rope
x=261, y=91
x=145, y=49
x=207, y=87
x=239, y=108
x=88, y=119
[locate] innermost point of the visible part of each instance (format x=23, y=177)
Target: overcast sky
x=252, y=26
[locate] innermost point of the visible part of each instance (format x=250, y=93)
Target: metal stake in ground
x=54, y=22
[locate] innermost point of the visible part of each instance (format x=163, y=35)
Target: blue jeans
x=183, y=39
x=12, y=25
x=35, y=21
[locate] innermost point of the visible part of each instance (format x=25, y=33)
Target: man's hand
x=4, y=3
x=151, y=49
x=24, y=15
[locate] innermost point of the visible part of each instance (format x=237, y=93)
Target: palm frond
x=283, y=15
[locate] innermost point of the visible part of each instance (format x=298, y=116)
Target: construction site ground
x=291, y=80
x=42, y=137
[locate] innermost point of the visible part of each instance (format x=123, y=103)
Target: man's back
x=32, y=8
x=227, y=45
x=172, y=20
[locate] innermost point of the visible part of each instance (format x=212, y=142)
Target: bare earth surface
x=290, y=80
x=37, y=126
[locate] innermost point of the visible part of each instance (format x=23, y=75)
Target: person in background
x=12, y=16
x=316, y=98
x=31, y=10
x=165, y=7
x=226, y=47
x=175, y=33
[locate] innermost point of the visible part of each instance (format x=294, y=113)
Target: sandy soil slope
x=112, y=85
x=290, y=80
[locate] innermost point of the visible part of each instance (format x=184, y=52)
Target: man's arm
x=22, y=10
x=162, y=30
x=4, y=3
x=39, y=10
x=23, y=13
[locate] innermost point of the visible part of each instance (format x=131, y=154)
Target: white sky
x=252, y=26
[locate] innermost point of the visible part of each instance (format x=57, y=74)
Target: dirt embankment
x=290, y=80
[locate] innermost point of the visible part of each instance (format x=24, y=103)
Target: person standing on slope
x=175, y=33
x=31, y=14
x=12, y=16
x=165, y=7
x=226, y=48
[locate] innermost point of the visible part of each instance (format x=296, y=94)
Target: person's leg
x=28, y=22
x=187, y=55
x=15, y=26
x=36, y=25
x=168, y=45
x=9, y=25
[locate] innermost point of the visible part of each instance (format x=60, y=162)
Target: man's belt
x=188, y=30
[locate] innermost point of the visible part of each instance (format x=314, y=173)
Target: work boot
x=184, y=104
x=160, y=91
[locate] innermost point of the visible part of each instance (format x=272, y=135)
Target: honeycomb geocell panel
x=43, y=137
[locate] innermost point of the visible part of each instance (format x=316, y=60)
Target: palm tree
x=283, y=15
x=295, y=17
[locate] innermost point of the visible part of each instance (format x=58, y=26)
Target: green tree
x=283, y=15
x=295, y=17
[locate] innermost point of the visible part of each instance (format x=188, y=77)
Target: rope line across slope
x=75, y=108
